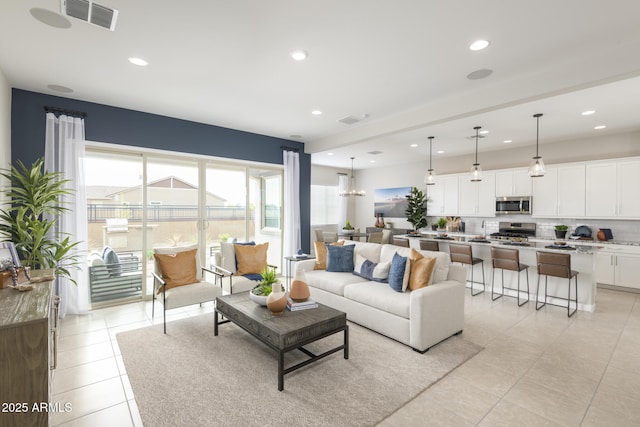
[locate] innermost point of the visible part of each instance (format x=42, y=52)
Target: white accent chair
x=181, y=296
x=223, y=264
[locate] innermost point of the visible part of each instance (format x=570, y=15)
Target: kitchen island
x=582, y=260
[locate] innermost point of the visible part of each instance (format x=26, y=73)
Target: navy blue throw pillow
x=110, y=257
x=396, y=272
x=340, y=258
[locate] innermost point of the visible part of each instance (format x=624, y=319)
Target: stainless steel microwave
x=513, y=205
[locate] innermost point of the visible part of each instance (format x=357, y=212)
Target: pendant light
x=353, y=188
x=475, y=174
x=430, y=179
x=536, y=167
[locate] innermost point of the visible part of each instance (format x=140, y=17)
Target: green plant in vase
x=442, y=223
x=561, y=231
x=416, y=211
x=262, y=290
x=37, y=200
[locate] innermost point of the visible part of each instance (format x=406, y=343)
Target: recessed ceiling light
x=413, y=145
x=139, y=62
x=507, y=141
x=484, y=132
x=372, y=161
x=329, y=154
x=588, y=112
x=479, y=74
x=440, y=152
x=599, y=127
x=299, y=55
x=60, y=88
x=316, y=112
x=479, y=45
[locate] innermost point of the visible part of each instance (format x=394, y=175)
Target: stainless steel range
x=515, y=233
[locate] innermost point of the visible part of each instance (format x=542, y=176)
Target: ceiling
x=400, y=66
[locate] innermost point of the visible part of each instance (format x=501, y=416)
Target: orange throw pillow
x=178, y=269
x=251, y=259
x=421, y=270
x=321, y=254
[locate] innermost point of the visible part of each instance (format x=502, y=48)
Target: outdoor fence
x=164, y=213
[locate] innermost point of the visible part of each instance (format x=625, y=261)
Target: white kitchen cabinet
x=601, y=197
x=443, y=196
x=628, y=189
x=560, y=192
x=477, y=198
x=613, y=189
x=513, y=183
x=545, y=194
x=618, y=268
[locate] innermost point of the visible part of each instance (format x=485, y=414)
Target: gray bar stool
x=556, y=265
x=429, y=245
x=464, y=255
x=508, y=259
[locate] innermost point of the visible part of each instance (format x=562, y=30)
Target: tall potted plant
x=36, y=199
x=416, y=210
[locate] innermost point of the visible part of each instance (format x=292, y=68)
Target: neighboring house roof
x=106, y=192
x=166, y=182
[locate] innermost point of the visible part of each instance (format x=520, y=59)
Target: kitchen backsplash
x=628, y=231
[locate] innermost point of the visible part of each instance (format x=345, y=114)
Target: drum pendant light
x=475, y=174
x=536, y=167
x=430, y=179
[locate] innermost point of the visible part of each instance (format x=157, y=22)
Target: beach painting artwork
x=391, y=202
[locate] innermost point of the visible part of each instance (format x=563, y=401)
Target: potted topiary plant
x=416, y=210
x=37, y=201
x=561, y=231
x=261, y=291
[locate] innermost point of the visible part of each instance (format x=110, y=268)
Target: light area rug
x=190, y=377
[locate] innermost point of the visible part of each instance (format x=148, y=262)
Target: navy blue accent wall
x=115, y=125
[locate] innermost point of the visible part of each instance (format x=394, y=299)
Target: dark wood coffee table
x=290, y=331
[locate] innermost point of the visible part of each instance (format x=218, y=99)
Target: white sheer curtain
x=343, y=202
x=64, y=152
x=292, y=233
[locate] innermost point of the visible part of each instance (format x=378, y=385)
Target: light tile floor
x=538, y=368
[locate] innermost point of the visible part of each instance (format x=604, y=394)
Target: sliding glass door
x=172, y=204
x=115, y=226
x=141, y=201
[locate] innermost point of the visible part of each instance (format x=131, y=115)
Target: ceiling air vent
x=89, y=11
x=349, y=120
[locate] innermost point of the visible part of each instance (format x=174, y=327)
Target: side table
x=290, y=261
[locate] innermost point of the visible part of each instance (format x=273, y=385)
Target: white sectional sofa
x=420, y=318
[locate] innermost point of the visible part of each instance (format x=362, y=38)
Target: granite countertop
x=574, y=242
x=573, y=246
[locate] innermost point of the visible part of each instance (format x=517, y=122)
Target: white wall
x=5, y=121
x=5, y=125
x=610, y=146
